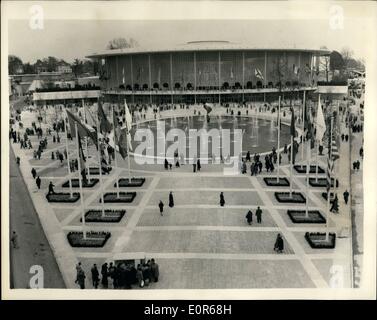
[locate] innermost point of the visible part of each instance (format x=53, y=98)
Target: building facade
x=206, y=71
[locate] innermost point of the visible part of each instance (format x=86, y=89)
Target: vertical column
x=171, y=77
x=243, y=76
x=219, y=77
x=132, y=80
x=265, y=75
x=311, y=69
x=150, y=78
x=195, y=77
x=116, y=65
x=299, y=68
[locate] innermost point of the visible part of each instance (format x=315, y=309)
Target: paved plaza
x=197, y=244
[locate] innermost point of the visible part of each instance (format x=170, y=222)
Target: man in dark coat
x=258, y=213
x=33, y=173
x=171, y=200
x=104, y=273
x=38, y=182
x=249, y=217
x=346, y=194
x=279, y=244
x=166, y=164
x=161, y=206
x=95, y=276
x=155, y=270
x=51, y=188
x=222, y=199
x=198, y=165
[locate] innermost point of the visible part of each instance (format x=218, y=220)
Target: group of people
x=171, y=203
x=258, y=214
x=119, y=276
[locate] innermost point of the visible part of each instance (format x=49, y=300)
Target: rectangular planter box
x=284, y=197
x=110, y=216
x=93, y=239
x=272, y=182
x=318, y=240
x=75, y=183
x=135, y=182
x=299, y=216
x=321, y=182
x=124, y=197
x=302, y=169
x=63, y=197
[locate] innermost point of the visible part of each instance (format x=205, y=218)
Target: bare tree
x=120, y=43
x=347, y=55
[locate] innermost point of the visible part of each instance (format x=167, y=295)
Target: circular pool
x=258, y=135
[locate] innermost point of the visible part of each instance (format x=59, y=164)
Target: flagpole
x=303, y=127
x=100, y=166
x=329, y=188
x=279, y=140
x=308, y=170
x=128, y=149
x=86, y=140
x=291, y=168
x=68, y=163
x=115, y=152
x=317, y=146
x=80, y=184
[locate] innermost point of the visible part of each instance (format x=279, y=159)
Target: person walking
x=139, y=276
x=279, y=244
x=258, y=213
x=222, y=199
x=171, y=200
x=198, y=165
x=249, y=217
x=51, y=188
x=346, y=195
x=104, y=273
x=95, y=276
x=81, y=279
x=38, y=182
x=155, y=270
x=14, y=240
x=161, y=206
x=33, y=173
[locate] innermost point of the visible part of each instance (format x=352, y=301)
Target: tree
x=347, y=54
x=324, y=63
x=29, y=68
x=120, y=43
x=336, y=61
x=14, y=64
x=77, y=67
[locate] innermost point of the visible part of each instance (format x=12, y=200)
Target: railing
x=212, y=91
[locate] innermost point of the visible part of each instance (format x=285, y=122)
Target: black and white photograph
x=188, y=149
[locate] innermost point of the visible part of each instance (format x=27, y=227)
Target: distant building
x=64, y=68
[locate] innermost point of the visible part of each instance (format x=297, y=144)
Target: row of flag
x=88, y=129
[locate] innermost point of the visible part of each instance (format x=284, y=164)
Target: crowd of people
x=121, y=275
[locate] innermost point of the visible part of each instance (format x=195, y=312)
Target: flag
x=321, y=125
x=308, y=69
x=258, y=74
x=296, y=70
x=308, y=129
x=231, y=73
x=128, y=116
x=82, y=158
x=83, y=129
x=208, y=108
x=123, y=77
x=89, y=118
x=105, y=125
x=330, y=166
x=159, y=76
x=293, y=129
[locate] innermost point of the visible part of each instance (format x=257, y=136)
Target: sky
x=70, y=39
